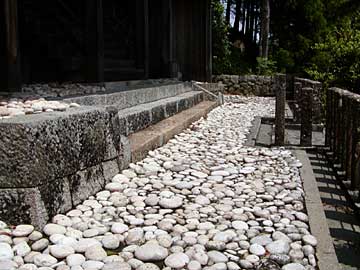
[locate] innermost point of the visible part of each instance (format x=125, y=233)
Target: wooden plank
x=12, y=46
x=94, y=42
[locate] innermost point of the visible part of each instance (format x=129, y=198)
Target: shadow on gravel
x=343, y=223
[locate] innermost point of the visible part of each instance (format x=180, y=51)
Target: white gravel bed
x=202, y=201
x=16, y=106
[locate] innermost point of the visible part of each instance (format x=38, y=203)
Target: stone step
x=124, y=95
x=157, y=135
x=142, y=116
x=51, y=162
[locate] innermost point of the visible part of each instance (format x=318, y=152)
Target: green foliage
x=284, y=60
x=265, y=66
x=315, y=38
x=295, y=25
x=221, y=44
x=337, y=58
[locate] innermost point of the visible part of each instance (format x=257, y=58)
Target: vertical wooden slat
x=12, y=45
x=94, y=41
x=337, y=125
x=3, y=55
x=342, y=131
x=280, y=84
x=208, y=41
x=306, y=116
x=328, y=117
x=349, y=135
x=146, y=39
x=355, y=162
x=172, y=64
x=333, y=116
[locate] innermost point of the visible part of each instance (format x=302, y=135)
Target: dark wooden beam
x=208, y=41
x=94, y=41
x=3, y=57
x=173, y=67
x=13, y=81
x=146, y=39
x=172, y=64
x=140, y=36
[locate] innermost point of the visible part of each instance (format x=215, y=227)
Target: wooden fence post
x=329, y=117
x=306, y=117
x=355, y=157
x=280, y=88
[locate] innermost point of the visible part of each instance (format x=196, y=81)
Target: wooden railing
x=343, y=133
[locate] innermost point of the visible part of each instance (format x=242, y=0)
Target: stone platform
x=53, y=161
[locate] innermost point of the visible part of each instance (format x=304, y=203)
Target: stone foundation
x=254, y=85
x=317, y=112
x=51, y=162
x=248, y=85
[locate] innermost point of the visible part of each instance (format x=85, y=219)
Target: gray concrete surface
x=343, y=223
x=325, y=251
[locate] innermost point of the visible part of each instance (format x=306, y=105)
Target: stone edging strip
x=157, y=135
x=325, y=251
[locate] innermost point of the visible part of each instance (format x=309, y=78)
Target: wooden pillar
x=12, y=46
x=172, y=63
x=146, y=39
x=94, y=41
x=280, y=90
x=208, y=41
x=306, y=117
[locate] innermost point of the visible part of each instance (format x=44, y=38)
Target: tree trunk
x=228, y=11
x=252, y=19
x=237, y=15
x=243, y=18
x=265, y=28
x=256, y=26
x=247, y=7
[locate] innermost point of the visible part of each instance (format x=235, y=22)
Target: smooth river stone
x=22, y=230
x=261, y=240
x=22, y=249
x=177, y=260
x=61, y=251
x=95, y=253
x=240, y=225
x=217, y=257
x=151, y=252
x=6, y=253
x=171, y=203
x=75, y=260
x=293, y=266
x=278, y=247
x=44, y=260
x=309, y=240
x=51, y=229
x=257, y=250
